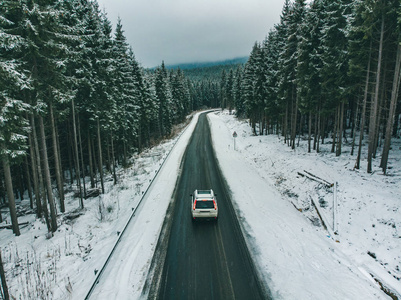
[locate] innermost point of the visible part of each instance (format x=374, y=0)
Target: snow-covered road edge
x=148, y=220
x=297, y=261
x=135, y=210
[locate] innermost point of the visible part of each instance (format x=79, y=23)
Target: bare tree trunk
x=113, y=159
x=35, y=171
x=379, y=114
x=335, y=130
x=309, y=132
x=82, y=157
x=46, y=171
x=318, y=133
x=41, y=200
x=59, y=158
x=28, y=181
x=373, y=112
x=90, y=161
x=108, y=161
x=6, y=295
x=10, y=193
x=340, y=129
x=100, y=155
x=294, y=120
x=70, y=155
x=363, y=115
x=57, y=164
x=125, y=158
x=20, y=181
x=354, y=129
x=76, y=155
x=95, y=162
x=285, y=125
x=391, y=115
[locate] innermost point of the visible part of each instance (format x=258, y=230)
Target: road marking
x=222, y=253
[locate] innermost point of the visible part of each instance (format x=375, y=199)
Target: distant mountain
x=209, y=70
x=200, y=65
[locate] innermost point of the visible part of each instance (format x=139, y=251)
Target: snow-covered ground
x=64, y=266
x=297, y=257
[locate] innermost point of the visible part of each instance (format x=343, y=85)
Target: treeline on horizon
x=75, y=103
x=328, y=70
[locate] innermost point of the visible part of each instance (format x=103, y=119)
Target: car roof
x=204, y=193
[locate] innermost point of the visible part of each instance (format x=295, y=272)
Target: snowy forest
x=74, y=102
x=76, y=105
x=329, y=69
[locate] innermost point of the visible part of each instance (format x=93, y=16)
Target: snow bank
x=65, y=266
x=297, y=259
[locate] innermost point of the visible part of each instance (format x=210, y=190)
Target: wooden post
x=5, y=295
x=335, y=229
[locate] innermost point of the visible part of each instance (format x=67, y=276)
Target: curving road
x=202, y=260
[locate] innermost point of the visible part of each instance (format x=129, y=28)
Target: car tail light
x=194, y=204
x=215, y=205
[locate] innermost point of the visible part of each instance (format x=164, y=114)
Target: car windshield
x=204, y=204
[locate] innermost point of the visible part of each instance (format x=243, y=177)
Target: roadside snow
x=296, y=256
x=65, y=266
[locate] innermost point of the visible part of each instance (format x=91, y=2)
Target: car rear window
x=204, y=192
x=204, y=204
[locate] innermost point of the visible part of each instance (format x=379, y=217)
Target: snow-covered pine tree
x=270, y=52
x=230, y=91
x=237, y=93
x=282, y=76
x=13, y=79
x=309, y=66
x=148, y=109
x=223, y=92
x=125, y=93
x=360, y=62
x=394, y=94
x=335, y=65
x=253, y=89
x=163, y=96
x=178, y=96
x=385, y=40
x=94, y=99
x=290, y=57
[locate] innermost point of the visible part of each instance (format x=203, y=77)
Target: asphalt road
x=203, y=260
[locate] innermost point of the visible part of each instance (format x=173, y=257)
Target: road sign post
x=234, y=136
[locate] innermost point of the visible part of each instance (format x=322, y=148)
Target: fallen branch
x=73, y=215
x=10, y=226
x=385, y=289
x=320, y=216
x=315, y=178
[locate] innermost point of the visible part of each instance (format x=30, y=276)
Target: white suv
x=204, y=205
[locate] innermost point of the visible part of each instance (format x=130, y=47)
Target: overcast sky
x=183, y=31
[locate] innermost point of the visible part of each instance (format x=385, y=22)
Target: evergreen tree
x=230, y=90
x=179, y=96
x=283, y=83
x=309, y=65
x=163, y=96
x=13, y=79
x=126, y=94
x=270, y=52
x=335, y=65
x=237, y=91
